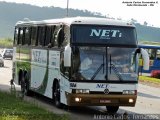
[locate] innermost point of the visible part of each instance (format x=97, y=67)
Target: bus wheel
x=112, y=109
x=56, y=95
x=27, y=91
x=25, y=85
x=22, y=81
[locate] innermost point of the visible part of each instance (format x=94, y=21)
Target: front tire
x=56, y=95
x=2, y=64
x=112, y=109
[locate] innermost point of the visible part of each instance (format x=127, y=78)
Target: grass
x=6, y=42
x=13, y=108
x=149, y=79
x=149, y=42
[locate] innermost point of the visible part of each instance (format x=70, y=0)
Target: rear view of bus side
x=78, y=61
x=154, y=55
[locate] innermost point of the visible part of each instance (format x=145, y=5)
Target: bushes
x=155, y=73
x=6, y=43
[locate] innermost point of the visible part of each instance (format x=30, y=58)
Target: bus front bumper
x=100, y=100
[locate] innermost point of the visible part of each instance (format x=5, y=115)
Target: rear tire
x=112, y=109
x=56, y=95
x=22, y=82
x=25, y=84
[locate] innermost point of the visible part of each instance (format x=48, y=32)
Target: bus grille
x=101, y=92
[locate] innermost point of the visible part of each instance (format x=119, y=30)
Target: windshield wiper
x=113, y=67
x=116, y=71
x=97, y=71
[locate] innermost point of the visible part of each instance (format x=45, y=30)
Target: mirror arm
x=67, y=56
x=145, y=58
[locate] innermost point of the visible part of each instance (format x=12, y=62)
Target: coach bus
x=154, y=55
x=79, y=61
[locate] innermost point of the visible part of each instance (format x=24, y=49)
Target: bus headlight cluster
x=80, y=91
x=77, y=99
x=130, y=100
x=129, y=92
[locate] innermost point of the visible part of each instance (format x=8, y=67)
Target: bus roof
x=77, y=20
x=149, y=46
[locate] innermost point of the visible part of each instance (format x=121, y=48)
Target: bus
x=154, y=55
x=78, y=61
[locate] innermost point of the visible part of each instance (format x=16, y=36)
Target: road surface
x=148, y=101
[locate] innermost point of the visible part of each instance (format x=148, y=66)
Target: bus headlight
x=130, y=100
x=80, y=91
x=77, y=99
x=129, y=92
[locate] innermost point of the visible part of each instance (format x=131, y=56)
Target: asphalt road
x=148, y=101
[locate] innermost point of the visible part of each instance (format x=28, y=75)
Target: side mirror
x=67, y=56
x=145, y=58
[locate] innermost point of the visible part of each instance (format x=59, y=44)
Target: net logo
x=105, y=34
x=73, y=85
x=102, y=86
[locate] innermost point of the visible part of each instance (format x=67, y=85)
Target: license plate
x=105, y=101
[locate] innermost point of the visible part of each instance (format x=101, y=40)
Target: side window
x=48, y=35
x=152, y=53
x=158, y=54
x=58, y=35
x=16, y=36
x=66, y=35
x=27, y=36
x=53, y=36
x=41, y=35
x=23, y=36
x=20, y=36
x=34, y=36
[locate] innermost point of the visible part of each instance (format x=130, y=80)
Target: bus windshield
x=104, y=63
x=101, y=35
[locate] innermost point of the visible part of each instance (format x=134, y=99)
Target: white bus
x=78, y=61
